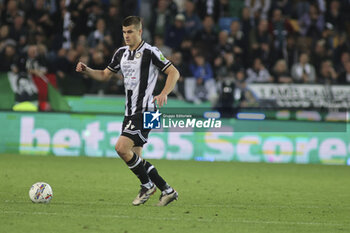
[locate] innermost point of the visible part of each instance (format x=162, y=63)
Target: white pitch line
x=216, y=220
x=300, y=206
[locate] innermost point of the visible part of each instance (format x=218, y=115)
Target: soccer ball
x=40, y=192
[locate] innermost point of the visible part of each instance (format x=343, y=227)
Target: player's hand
x=161, y=99
x=81, y=67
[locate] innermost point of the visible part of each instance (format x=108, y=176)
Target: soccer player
x=139, y=63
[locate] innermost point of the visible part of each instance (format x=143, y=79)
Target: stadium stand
x=274, y=42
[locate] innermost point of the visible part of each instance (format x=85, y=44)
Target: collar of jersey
x=140, y=46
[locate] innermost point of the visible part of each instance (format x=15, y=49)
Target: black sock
x=155, y=177
x=137, y=167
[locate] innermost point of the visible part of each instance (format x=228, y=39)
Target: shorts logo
x=129, y=125
x=151, y=120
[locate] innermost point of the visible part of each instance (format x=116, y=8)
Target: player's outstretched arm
x=99, y=75
x=173, y=76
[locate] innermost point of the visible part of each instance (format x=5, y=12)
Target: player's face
x=132, y=35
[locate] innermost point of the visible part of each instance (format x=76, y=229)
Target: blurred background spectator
x=280, y=72
x=7, y=55
x=207, y=35
x=344, y=77
x=192, y=21
x=303, y=71
x=260, y=41
x=176, y=33
x=258, y=73
x=204, y=85
x=327, y=73
x=162, y=17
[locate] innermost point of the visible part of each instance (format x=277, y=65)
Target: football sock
x=155, y=177
x=137, y=167
x=169, y=190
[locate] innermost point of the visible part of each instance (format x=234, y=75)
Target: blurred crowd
x=218, y=45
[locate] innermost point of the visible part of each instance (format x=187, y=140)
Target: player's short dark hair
x=132, y=20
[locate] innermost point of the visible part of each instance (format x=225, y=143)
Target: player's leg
x=124, y=147
x=168, y=193
x=151, y=171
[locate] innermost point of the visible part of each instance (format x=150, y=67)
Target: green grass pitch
x=95, y=195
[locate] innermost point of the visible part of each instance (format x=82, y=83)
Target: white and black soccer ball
x=40, y=192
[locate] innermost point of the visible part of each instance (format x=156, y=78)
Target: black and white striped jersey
x=140, y=69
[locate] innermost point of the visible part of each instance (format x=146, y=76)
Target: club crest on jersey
x=138, y=55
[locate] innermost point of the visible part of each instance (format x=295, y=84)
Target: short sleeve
x=114, y=65
x=159, y=60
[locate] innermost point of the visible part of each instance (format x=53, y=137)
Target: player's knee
x=122, y=151
x=119, y=149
